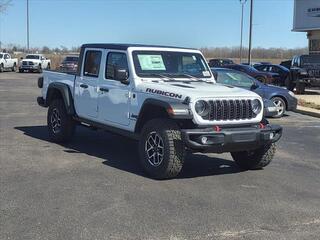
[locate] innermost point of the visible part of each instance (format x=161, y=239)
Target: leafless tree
x=4, y=4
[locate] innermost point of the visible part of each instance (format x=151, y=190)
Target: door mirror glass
x=254, y=86
x=121, y=75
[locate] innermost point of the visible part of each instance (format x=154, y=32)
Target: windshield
x=234, y=78
x=249, y=68
x=32, y=57
x=71, y=59
x=170, y=64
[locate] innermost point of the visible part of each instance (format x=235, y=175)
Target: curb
x=306, y=111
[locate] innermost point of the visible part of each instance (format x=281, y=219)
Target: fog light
x=204, y=140
x=271, y=135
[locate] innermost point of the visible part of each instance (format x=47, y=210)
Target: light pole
x=242, y=2
x=28, y=25
x=250, y=32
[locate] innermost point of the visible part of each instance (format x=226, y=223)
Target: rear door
x=113, y=94
x=86, y=85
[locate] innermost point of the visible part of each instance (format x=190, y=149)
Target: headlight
x=256, y=106
x=291, y=94
x=202, y=108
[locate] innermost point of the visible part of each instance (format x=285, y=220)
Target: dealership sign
x=314, y=12
x=306, y=15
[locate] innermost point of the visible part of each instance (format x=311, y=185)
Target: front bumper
x=230, y=139
x=292, y=104
x=28, y=67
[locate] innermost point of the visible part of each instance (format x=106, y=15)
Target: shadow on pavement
x=122, y=153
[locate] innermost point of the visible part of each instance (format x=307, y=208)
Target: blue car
x=283, y=99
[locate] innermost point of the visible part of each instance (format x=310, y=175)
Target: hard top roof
x=124, y=46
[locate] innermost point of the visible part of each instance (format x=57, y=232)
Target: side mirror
x=254, y=86
x=121, y=75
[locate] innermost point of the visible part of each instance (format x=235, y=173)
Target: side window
x=115, y=61
x=6, y=56
x=92, y=63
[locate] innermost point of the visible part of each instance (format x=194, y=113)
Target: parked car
x=283, y=99
x=263, y=77
x=164, y=97
x=274, y=68
x=69, y=64
x=304, y=71
x=219, y=62
x=7, y=63
x=34, y=63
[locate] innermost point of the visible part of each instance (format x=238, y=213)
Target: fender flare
x=174, y=110
x=65, y=93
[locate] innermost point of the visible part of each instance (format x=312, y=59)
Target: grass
x=308, y=104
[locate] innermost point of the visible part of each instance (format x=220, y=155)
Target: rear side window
x=92, y=63
x=115, y=60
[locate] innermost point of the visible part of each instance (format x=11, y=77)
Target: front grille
x=27, y=63
x=229, y=110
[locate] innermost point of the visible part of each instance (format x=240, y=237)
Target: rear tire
x=261, y=79
x=256, y=159
x=48, y=66
x=161, y=149
x=61, y=126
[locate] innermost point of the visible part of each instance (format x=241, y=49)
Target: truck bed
x=50, y=76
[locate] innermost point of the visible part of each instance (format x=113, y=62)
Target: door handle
x=83, y=85
x=104, y=89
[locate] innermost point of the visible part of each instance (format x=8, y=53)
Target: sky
x=188, y=23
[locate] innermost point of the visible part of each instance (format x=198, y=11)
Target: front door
x=114, y=95
x=86, y=85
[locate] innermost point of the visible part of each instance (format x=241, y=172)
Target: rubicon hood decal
x=164, y=93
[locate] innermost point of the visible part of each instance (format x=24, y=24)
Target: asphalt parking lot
x=93, y=188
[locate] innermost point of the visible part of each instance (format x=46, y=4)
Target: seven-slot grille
x=229, y=110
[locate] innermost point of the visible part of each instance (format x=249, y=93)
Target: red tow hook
x=217, y=128
x=262, y=126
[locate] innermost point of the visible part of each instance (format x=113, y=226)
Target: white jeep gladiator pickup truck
x=7, y=63
x=34, y=63
x=166, y=98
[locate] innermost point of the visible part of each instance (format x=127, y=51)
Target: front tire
x=61, y=126
x=280, y=105
x=256, y=159
x=161, y=149
x=1, y=67
x=14, y=68
x=40, y=69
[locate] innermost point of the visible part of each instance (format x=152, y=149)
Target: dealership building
x=306, y=18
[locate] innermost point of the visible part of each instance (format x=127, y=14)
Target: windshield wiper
x=157, y=75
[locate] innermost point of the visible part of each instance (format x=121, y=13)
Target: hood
x=273, y=88
x=180, y=90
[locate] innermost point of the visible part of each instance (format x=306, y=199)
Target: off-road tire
x=256, y=159
x=300, y=88
x=289, y=84
x=67, y=128
x=1, y=67
x=173, y=149
x=48, y=66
